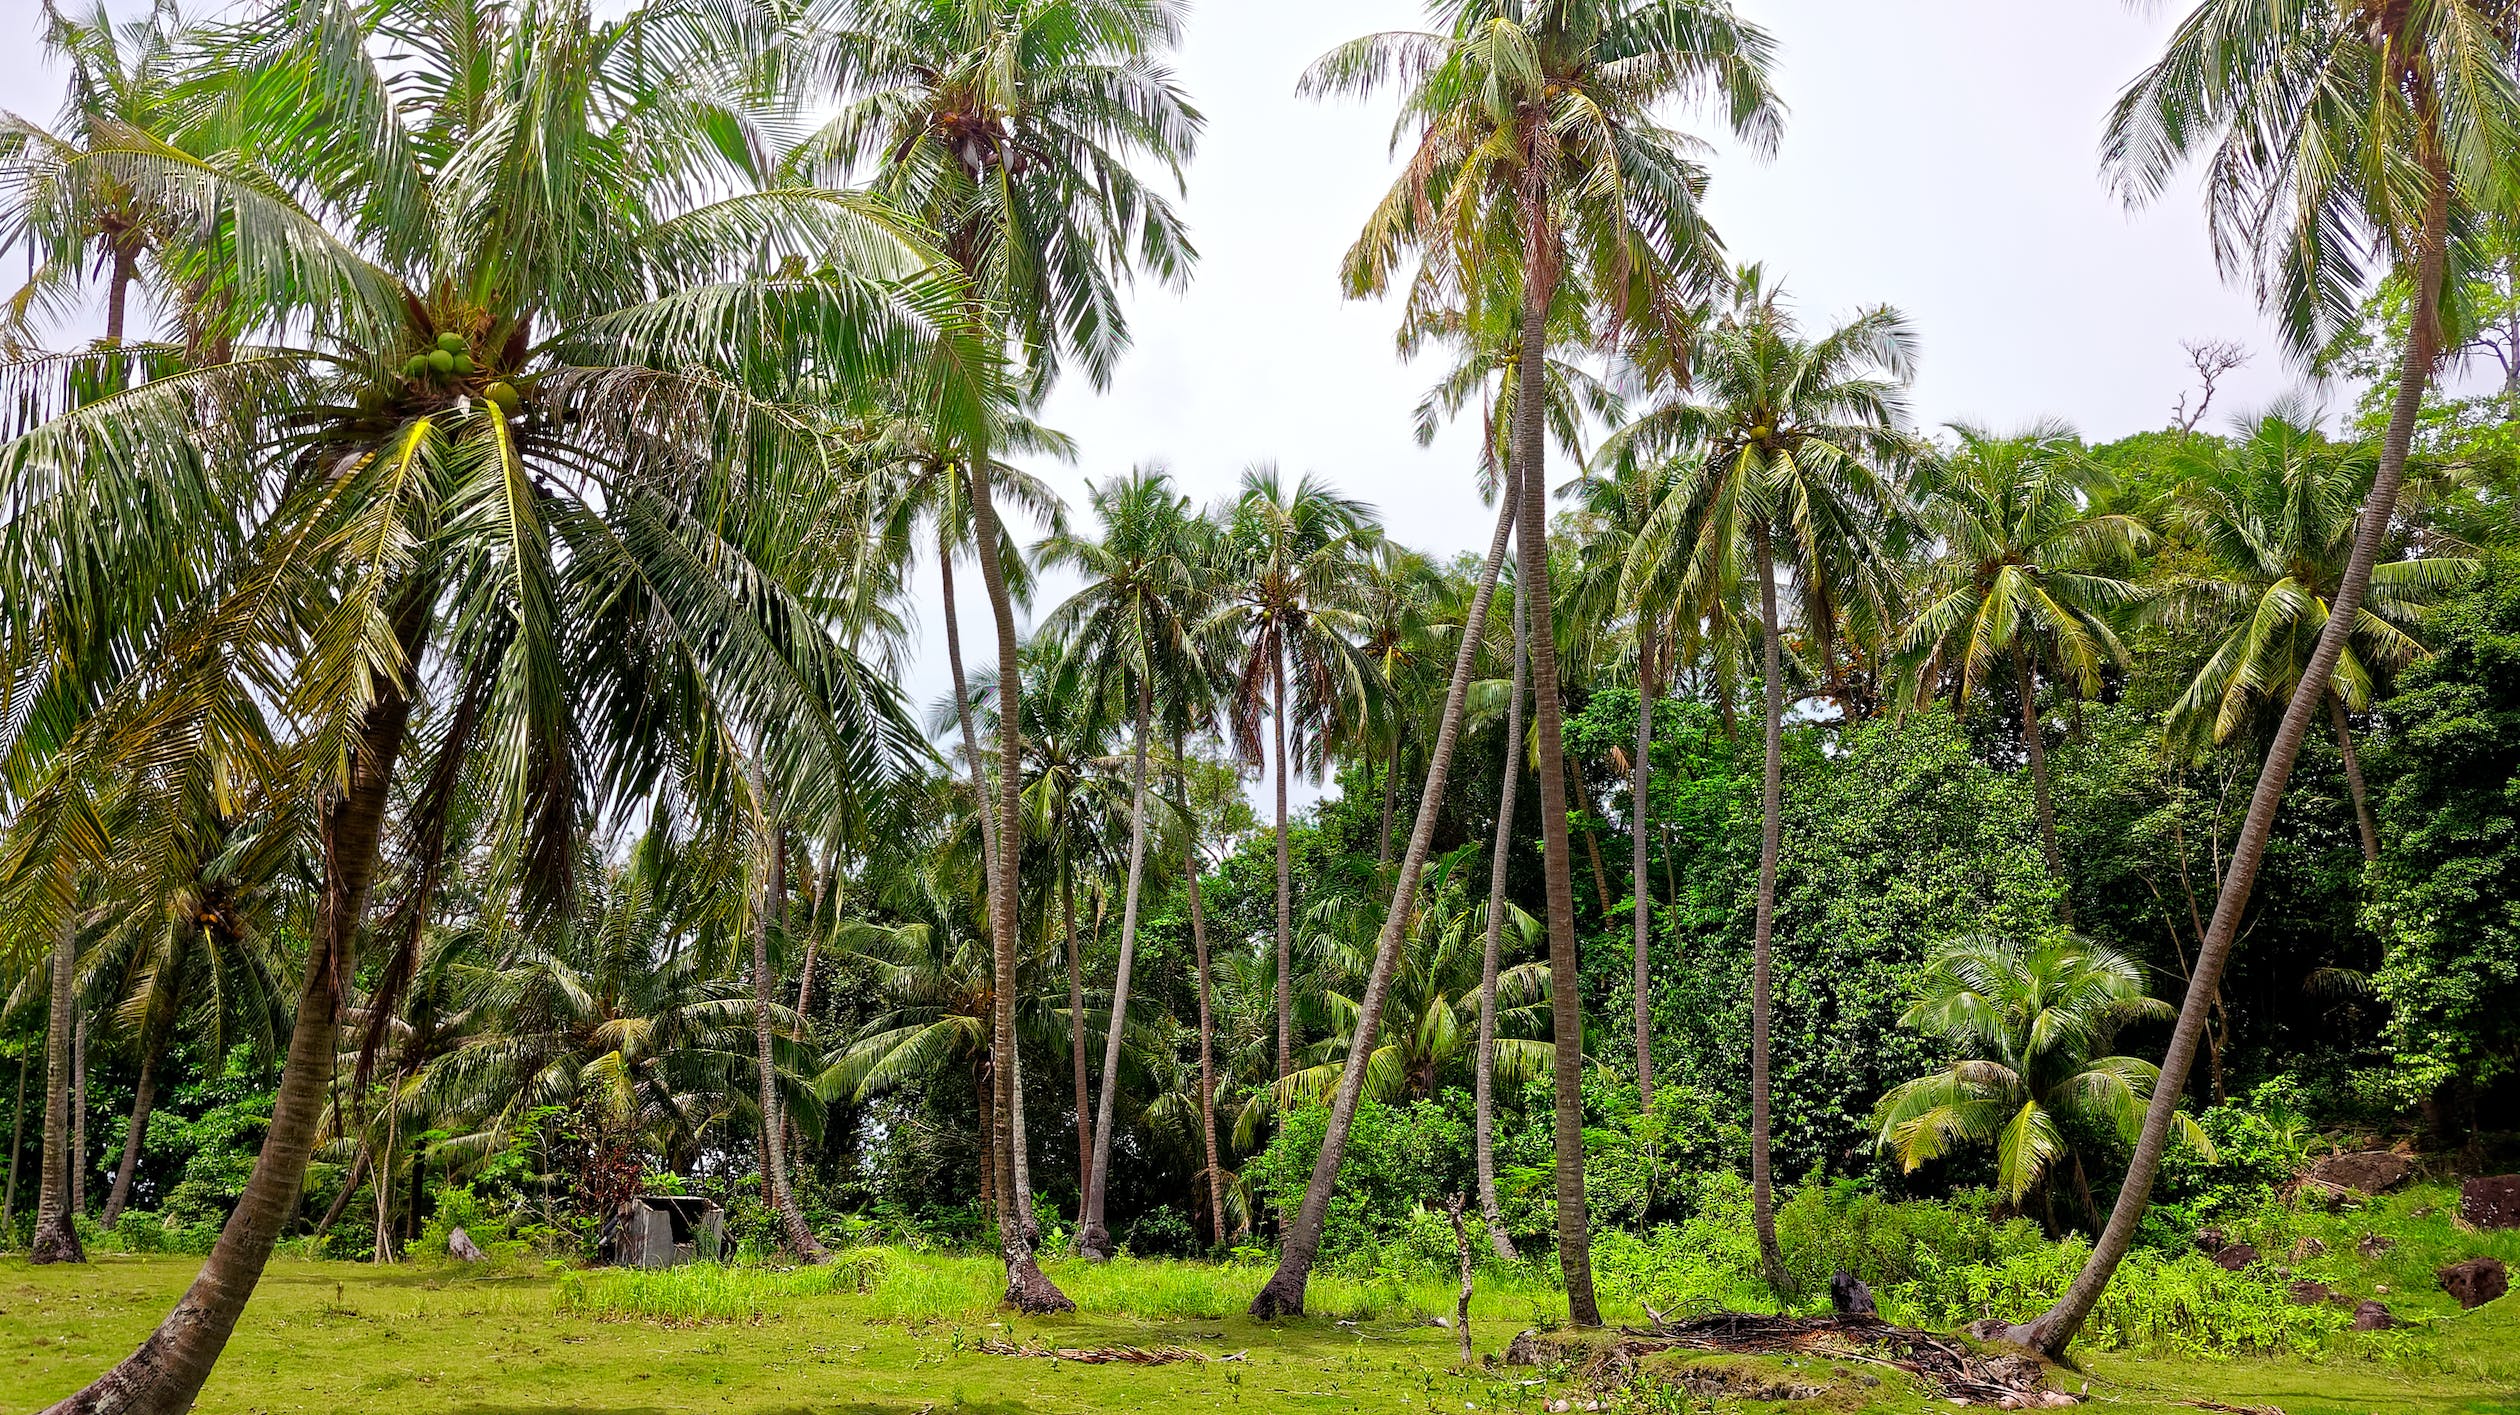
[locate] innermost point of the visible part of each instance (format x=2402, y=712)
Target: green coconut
x=451, y=342
x=463, y=365
x=504, y=394
x=441, y=361
x=417, y=366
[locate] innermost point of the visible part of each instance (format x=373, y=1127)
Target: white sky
x=1939, y=156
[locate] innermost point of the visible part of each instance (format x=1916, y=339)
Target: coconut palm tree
x=2018, y=581
x=2274, y=514
x=1134, y=617
x=2032, y=1024
x=1787, y=448
x=530, y=431
x=2338, y=134
x=1010, y=130
x=1539, y=143
x=1290, y=563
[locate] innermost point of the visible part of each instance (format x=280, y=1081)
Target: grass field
x=897, y=1334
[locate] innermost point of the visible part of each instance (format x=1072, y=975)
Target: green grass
x=891, y=1332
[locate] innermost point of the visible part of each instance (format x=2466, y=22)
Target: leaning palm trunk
x=56, y=1237
x=2034, y=743
x=1028, y=1289
x=1641, y=897
x=2055, y=1329
x=1283, y=1294
x=1092, y=1239
x=774, y=1178
x=143, y=1101
x=2364, y=825
x=1532, y=547
x=1484, y=1126
x=1771, y=831
x=1207, y=1017
x=166, y=1374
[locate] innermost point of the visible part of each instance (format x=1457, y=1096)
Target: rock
x=459, y=1245
x=1524, y=1350
x=2363, y=1171
x=2304, y=1249
x=2491, y=1202
x=2373, y=1245
x=2474, y=1282
x=2235, y=1257
x=2210, y=1241
x=2309, y=1292
x=1849, y=1297
x=2374, y=1316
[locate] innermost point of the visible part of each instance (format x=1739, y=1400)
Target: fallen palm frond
x=1947, y=1367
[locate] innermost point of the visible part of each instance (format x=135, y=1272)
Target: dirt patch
x=1105, y=1355
x=1950, y=1367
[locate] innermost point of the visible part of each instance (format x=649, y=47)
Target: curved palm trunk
x=962, y=715
x=1027, y=1287
x=1771, y=831
x=800, y=1237
x=2035, y=743
x=2363, y=822
x=1092, y=1239
x=143, y=1101
x=165, y=1375
x=56, y=1237
x=1283, y=1293
x=1484, y=1127
x=1285, y=889
x=1207, y=1017
x=1641, y=895
x=1565, y=1001
x=2055, y=1329
x=349, y=1190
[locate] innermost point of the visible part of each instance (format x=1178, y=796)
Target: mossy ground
x=426, y=1338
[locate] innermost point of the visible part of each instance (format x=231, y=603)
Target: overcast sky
x=1938, y=156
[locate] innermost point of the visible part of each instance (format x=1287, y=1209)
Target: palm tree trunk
x=1390, y=788
x=1771, y=832
x=1028, y=1289
x=143, y=1099
x=1285, y=888
x=1565, y=1001
x=349, y=1190
x=1207, y=1016
x=2363, y=822
x=1023, y=1147
x=1592, y=843
x=1641, y=895
x=56, y=1237
x=1484, y=1130
x=165, y=1375
x=1076, y=1040
x=78, y=1115
x=800, y=1238
x=2035, y=744
x=2055, y=1329
x=962, y=714
x=1092, y=1239
x=1283, y=1293
x=17, y=1146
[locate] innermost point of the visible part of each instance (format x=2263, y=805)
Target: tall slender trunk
x=1532, y=548
x=2363, y=822
x=1285, y=887
x=2055, y=1330
x=17, y=1146
x=56, y=1237
x=143, y=1100
x=1022, y=1146
x=1027, y=1287
x=349, y=1190
x=165, y=1375
x=1771, y=832
x=1390, y=788
x=79, y=1115
x=1076, y=1041
x=1092, y=1239
x=774, y=890
x=1592, y=842
x=1484, y=1129
x=2034, y=742
x=1207, y=1016
x=1283, y=1293
x=1641, y=894
x=962, y=715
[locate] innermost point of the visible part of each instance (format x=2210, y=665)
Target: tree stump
x=459, y=1245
